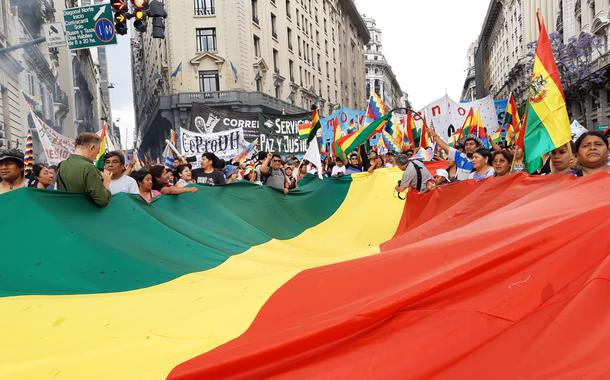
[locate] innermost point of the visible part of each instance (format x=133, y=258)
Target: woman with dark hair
x=501, y=162
x=40, y=177
x=592, y=151
x=481, y=165
x=161, y=178
x=145, y=184
x=184, y=175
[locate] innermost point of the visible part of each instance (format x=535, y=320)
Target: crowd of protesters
x=468, y=159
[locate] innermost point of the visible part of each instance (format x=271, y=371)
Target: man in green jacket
x=77, y=174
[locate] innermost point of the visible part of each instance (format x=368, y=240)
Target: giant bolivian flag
x=338, y=280
x=548, y=124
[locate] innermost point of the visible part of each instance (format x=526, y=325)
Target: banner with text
x=209, y=120
x=225, y=144
x=447, y=116
x=348, y=119
x=280, y=133
x=56, y=147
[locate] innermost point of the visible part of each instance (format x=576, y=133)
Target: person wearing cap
x=11, y=170
x=415, y=176
x=77, y=174
x=463, y=161
x=441, y=177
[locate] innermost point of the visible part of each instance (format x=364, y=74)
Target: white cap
x=442, y=173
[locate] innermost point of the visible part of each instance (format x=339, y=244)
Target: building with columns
x=379, y=75
x=247, y=55
x=577, y=18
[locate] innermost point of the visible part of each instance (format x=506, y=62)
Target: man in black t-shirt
x=206, y=175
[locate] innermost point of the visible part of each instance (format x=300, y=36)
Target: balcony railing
x=207, y=11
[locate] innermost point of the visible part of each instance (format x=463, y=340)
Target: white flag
x=577, y=130
x=313, y=155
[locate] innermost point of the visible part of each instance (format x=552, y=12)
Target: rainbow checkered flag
x=28, y=160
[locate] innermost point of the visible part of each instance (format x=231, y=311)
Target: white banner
x=448, y=116
x=577, y=130
x=56, y=147
x=486, y=108
x=225, y=144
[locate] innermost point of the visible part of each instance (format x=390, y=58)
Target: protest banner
x=280, y=133
x=347, y=119
x=225, y=144
x=209, y=120
x=56, y=147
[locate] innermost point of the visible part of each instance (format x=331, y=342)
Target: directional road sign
x=89, y=26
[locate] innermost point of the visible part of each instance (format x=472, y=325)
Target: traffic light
x=156, y=10
x=139, y=12
x=120, y=15
x=120, y=23
x=119, y=6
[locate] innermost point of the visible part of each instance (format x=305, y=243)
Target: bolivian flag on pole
x=99, y=161
x=547, y=126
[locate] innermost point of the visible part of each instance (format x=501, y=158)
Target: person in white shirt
x=338, y=169
x=464, y=160
x=120, y=183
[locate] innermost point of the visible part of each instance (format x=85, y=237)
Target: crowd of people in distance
x=468, y=160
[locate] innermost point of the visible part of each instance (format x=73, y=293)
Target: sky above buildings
x=425, y=42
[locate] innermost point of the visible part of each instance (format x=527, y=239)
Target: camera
x=399, y=182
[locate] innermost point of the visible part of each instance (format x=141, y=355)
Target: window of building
x=320, y=86
x=299, y=45
x=288, y=9
x=298, y=20
x=327, y=71
x=319, y=64
x=206, y=39
x=301, y=75
x=255, y=11
x=289, y=36
x=290, y=69
x=208, y=81
x=318, y=38
x=257, y=46
x=276, y=63
x=273, y=26
x=204, y=7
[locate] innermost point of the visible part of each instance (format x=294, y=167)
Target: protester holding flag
x=390, y=157
x=463, y=161
x=11, y=170
x=77, y=174
x=592, y=149
x=518, y=160
x=114, y=162
x=481, y=163
x=354, y=165
x=273, y=174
